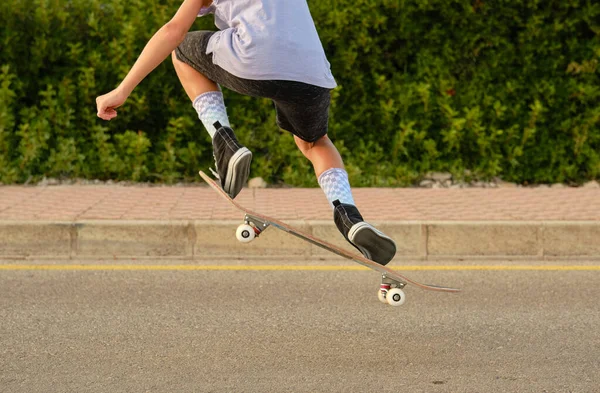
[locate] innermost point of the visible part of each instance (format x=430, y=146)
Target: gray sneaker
x=231, y=159
x=370, y=241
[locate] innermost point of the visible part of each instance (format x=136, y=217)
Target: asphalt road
x=296, y=331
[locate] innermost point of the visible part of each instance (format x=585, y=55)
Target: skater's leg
x=232, y=160
x=333, y=179
x=307, y=118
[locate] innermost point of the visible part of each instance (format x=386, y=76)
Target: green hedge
x=485, y=88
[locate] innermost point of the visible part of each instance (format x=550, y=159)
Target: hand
x=108, y=103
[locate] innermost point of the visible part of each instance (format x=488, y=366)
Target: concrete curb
x=215, y=239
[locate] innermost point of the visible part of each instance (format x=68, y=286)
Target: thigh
x=303, y=111
x=192, y=51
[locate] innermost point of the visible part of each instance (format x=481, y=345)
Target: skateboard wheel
x=381, y=296
x=245, y=233
x=395, y=297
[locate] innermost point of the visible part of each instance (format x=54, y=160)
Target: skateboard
x=392, y=282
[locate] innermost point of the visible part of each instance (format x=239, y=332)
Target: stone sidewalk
x=101, y=221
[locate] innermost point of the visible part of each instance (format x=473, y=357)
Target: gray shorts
x=302, y=109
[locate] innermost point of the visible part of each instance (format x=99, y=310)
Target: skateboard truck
x=251, y=228
x=390, y=291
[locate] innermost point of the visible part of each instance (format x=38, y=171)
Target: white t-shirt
x=268, y=40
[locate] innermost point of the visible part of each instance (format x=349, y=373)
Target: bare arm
x=160, y=46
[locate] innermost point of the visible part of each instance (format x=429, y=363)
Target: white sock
x=335, y=185
x=211, y=108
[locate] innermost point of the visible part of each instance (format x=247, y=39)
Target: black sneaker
x=232, y=160
x=374, y=245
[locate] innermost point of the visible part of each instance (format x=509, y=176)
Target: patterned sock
x=335, y=185
x=211, y=108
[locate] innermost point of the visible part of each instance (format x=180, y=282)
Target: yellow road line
x=79, y=267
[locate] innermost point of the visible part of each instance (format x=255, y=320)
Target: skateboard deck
x=256, y=222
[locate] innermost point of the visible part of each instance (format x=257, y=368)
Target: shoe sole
x=238, y=171
x=372, y=243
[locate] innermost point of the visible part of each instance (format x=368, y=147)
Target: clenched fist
x=108, y=103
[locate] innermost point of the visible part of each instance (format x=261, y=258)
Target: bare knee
x=307, y=147
x=304, y=146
